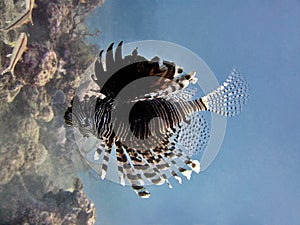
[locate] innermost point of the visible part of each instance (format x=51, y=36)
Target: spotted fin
x=177, y=159
x=230, y=97
x=193, y=134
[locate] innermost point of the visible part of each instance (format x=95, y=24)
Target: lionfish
x=153, y=129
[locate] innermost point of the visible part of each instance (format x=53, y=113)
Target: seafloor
x=38, y=181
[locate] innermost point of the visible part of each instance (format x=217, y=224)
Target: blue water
x=255, y=178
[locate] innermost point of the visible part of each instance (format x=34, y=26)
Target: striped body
x=148, y=118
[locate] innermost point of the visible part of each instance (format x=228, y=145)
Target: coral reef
x=21, y=150
x=27, y=201
x=34, y=142
x=12, y=158
x=48, y=69
x=8, y=91
x=36, y=103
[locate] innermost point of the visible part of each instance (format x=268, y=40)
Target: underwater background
x=255, y=178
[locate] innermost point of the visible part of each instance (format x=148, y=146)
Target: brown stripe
x=201, y=104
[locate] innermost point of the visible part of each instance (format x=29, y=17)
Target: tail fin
x=230, y=97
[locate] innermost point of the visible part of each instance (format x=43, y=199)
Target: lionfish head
x=80, y=115
x=68, y=115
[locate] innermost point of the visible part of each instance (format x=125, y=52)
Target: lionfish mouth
x=146, y=120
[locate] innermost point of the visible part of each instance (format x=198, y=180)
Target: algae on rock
x=37, y=157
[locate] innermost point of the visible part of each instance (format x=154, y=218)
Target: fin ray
x=229, y=98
